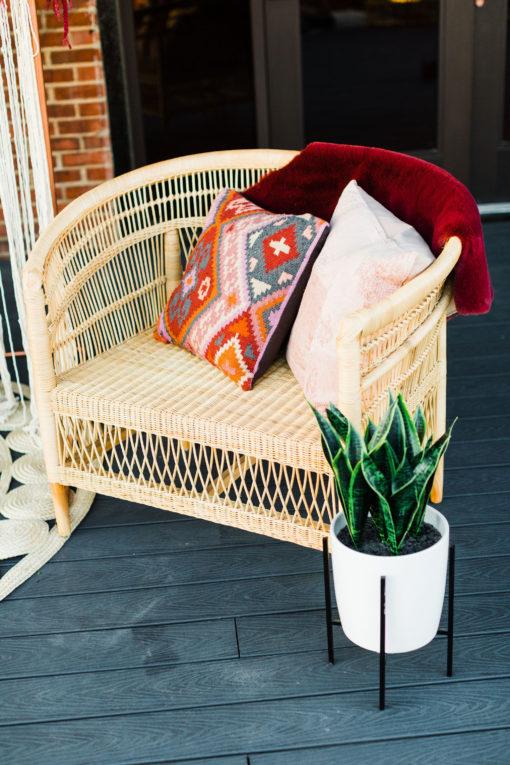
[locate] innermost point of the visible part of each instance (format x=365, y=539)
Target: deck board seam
x=267, y=699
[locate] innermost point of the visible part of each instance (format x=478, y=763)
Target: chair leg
x=60, y=496
x=436, y=495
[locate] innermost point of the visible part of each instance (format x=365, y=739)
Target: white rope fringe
x=23, y=168
x=27, y=166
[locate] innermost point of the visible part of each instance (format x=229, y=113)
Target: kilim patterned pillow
x=242, y=286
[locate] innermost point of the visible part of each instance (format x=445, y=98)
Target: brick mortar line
x=82, y=182
x=74, y=63
x=74, y=101
x=77, y=101
x=65, y=153
x=52, y=30
x=93, y=45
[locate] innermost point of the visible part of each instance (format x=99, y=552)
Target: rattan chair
x=126, y=416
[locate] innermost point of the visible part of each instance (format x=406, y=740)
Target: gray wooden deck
x=154, y=638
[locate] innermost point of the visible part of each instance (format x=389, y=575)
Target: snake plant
x=388, y=472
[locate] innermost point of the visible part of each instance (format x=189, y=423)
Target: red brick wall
x=76, y=103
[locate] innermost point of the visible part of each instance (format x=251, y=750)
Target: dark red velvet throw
x=423, y=195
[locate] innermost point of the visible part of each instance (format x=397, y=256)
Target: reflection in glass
x=370, y=72
x=196, y=75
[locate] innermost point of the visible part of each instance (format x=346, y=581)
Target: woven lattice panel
x=416, y=374
x=377, y=346
x=191, y=478
x=105, y=281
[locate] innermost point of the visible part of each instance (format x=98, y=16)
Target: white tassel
x=27, y=167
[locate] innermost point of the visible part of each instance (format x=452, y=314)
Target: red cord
x=66, y=4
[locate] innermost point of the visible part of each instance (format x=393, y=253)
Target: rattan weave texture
x=125, y=415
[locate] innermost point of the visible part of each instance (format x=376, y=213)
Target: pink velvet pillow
x=242, y=285
x=369, y=254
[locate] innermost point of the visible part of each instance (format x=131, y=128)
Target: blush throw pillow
x=369, y=254
x=242, y=286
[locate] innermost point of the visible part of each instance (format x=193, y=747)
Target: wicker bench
x=126, y=416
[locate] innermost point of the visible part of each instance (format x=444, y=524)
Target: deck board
x=156, y=638
x=466, y=749
x=472, y=453
x=253, y=727
x=230, y=564
x=106, y=649
x=184, y=534
x=197, y=602
x=212, y=683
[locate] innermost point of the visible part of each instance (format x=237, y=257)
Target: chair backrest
x=101, y=263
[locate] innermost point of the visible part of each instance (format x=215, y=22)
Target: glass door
x=427, y=77
x=195, y=74
x=490, y=144
x=370, y=72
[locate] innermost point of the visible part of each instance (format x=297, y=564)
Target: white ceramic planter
x=415, y=586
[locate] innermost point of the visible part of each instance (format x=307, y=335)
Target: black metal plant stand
x=330, y=621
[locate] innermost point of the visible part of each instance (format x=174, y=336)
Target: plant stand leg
x=451, y=594
x=449, y=630
x=382, y=646
x=327, y=594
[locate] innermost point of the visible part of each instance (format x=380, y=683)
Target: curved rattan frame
x=94, y=285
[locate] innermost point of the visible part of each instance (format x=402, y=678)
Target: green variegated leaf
x=420, y=424
x=416, y=524
x=402, y=477
x=359, y=497
x=424, y=495
x=408, y=503
x=385, y=459
x=375, y=514
x=382, y=429
x=340, y=423
x=380, y=508
x=369, y=431
x=404, y=507
x=383, y=521
x=375, y=478
x=343, y=472
x=331, y=443
x=396, y=436
x=354, y=447
x=413, y=442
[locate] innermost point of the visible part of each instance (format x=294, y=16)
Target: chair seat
x=148, y=386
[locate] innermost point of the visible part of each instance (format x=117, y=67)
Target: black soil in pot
x=372, y=544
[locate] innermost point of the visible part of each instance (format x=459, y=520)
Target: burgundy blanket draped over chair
x=426, y=196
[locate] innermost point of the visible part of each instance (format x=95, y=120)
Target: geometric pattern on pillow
x=242, y=286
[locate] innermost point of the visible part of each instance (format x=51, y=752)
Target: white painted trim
x=494, y=208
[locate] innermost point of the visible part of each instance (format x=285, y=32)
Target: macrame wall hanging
x=27, y=202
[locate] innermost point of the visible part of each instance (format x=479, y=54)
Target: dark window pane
x=506, y=122
x=196, y=75
x=370, y=72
